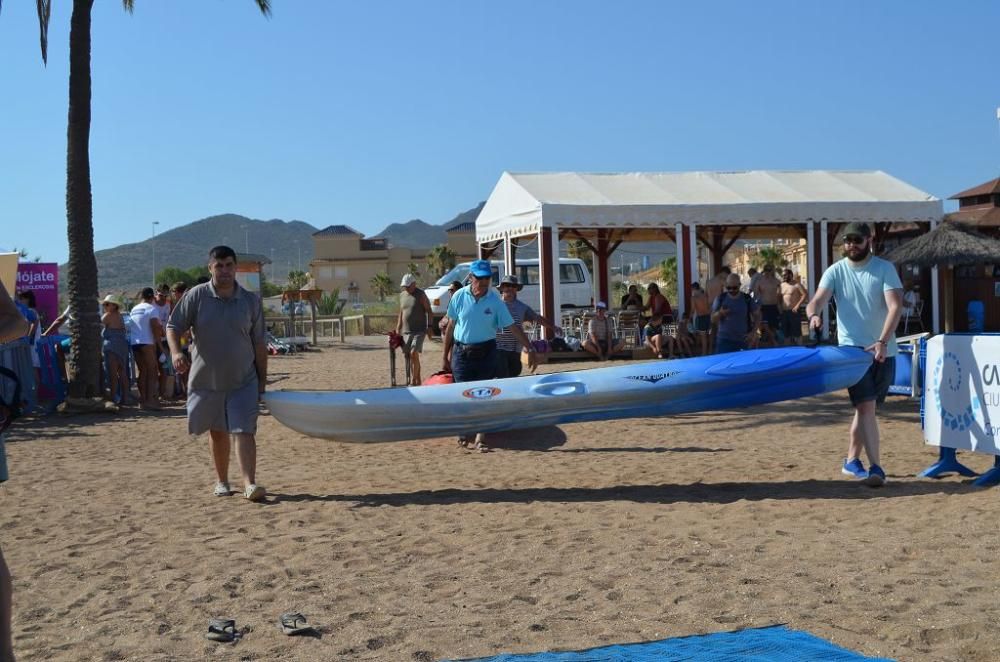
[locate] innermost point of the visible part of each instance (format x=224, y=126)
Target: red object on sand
x=439, y=378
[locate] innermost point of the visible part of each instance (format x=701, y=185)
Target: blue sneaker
x=855, y=469
x=876, y=476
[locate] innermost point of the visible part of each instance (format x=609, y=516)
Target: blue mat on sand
x=771, y=644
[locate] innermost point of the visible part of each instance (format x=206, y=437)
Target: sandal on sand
x=295, y=623
x=254, y=493
x=463, y=441
x=221, y=629
x=481, y=447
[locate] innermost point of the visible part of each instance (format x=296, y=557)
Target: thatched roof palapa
x=949, y=244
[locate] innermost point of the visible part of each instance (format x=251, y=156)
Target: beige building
x=345, y=260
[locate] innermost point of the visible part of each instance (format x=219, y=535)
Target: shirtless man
x=702, y=306
x=793, y=295
x=767, y=293
x=713, y=288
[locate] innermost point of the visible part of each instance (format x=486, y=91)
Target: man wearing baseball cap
x=470, y=348
x=508, y=348
x=414, y=322
x=869, y=303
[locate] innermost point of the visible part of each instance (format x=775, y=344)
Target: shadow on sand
x=719, y=493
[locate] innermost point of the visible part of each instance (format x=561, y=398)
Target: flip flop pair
x=292, y=624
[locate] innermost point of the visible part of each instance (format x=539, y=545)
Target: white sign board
x=962, y=392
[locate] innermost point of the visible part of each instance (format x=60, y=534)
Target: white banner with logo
x=962, y=392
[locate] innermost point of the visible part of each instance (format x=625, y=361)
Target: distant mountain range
x=288, y=244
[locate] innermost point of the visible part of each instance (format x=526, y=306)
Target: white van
x=576, y=288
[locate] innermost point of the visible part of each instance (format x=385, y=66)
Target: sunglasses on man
x=854, y=239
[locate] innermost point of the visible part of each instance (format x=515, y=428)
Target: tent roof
x=522, y=203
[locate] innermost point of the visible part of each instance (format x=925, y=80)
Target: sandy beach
x=562, y=538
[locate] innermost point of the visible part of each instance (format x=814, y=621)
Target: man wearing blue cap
x=470, y=348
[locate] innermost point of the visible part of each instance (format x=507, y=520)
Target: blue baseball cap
x=481, y=269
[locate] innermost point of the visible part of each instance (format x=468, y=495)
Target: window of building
x=340, y=272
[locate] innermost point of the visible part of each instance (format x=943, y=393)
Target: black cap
x=857, y=229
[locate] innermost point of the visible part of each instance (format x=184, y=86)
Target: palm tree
x=668, y=277
x=85, y=357
x=413, y=268
x=381, y=285
x=441, y=259
x=768, y=255
x=580, y=250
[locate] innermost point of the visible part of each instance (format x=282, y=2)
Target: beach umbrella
x=948, y=245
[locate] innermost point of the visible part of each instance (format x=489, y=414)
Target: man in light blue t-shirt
x=470, y=344
x=869, y=302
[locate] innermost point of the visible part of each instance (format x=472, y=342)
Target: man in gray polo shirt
x=228, y=368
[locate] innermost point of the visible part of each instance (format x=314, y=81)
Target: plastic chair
x=628, y=327
x=915, y=315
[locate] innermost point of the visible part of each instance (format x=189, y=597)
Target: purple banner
x=42, y=278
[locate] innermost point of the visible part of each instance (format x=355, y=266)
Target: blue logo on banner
x=947, y=380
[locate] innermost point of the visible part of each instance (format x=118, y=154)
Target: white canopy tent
x=611, y=207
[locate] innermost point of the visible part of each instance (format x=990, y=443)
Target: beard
x=859, y=256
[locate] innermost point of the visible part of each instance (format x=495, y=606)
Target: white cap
x=601, y=304
x=408, y=279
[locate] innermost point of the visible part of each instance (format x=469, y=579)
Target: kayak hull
x=656, y=388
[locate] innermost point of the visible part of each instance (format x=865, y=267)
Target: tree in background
x=85, y=356
x=668, y=278
x=189, y=277
x=579, y=249
x=296, y=280
x=413, y=268
x=768, y=255
x=382, y=285
x=330, y=303
x=22, y=255
x=440, y=260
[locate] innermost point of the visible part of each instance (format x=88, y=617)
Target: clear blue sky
x=368, y=113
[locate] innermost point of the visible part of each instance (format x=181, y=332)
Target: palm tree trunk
x=85, y=357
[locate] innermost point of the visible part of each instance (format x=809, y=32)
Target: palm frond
x=44, y=11
x=129, y=5
x=265, y=7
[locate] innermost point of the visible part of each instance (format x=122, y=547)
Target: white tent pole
x=556, y=314
x=681, y=285
x=936, y=324
x=810, y=260
x=824, y=263
x=694, y=253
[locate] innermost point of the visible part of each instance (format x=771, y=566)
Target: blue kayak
x=655, y=388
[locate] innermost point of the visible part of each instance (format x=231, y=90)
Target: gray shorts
x=233, y=411
x=875, y=383
x=413, y=342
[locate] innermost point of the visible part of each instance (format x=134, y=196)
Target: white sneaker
x=255, y=493
x=222, y=489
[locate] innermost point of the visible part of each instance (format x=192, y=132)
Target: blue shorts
x=875, y=383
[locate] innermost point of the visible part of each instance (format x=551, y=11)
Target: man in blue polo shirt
x=470, y=348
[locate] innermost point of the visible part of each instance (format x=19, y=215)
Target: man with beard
x=869, y=303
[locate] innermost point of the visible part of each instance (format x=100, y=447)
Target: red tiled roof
x=990, y=187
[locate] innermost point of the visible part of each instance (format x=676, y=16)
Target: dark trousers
x=470, y=363
x=508, y=363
